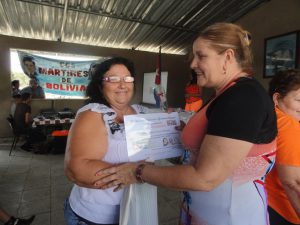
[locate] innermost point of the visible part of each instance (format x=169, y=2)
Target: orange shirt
x=192, y=89
x=288, y=153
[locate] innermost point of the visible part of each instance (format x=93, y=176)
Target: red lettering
x=82, y=88
x=56, y=86
x=49, y=85
x=66, y=87
x=72, y=87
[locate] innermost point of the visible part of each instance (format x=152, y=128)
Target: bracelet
x=139, y=172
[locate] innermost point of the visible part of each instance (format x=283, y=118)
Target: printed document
x=153, y=136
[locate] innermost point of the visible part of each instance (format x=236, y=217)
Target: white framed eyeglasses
x=116, y=79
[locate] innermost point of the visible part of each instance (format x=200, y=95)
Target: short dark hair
x=285, y=81
x=95, y=87
x=14, y=82
x=28, y=58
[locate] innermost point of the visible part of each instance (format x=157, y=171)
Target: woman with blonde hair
x=231, y=140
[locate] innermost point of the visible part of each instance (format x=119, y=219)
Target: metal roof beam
x=100, y=13
x=61, y=36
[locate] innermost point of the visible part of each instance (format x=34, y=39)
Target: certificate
x=152, y=136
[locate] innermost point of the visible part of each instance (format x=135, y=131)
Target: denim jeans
x=72, y=219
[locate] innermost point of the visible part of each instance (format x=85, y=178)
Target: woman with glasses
x=97, y=141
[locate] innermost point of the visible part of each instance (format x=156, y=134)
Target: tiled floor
x=35, y=184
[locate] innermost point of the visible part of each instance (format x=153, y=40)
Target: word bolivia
x=66, y=87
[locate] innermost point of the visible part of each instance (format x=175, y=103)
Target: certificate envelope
x=152, y=136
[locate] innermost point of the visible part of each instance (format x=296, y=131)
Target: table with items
x=55, y=129
x=41, y=121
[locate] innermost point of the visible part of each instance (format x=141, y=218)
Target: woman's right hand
x=118, y=176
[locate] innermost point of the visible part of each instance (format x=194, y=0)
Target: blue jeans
x=72, y=218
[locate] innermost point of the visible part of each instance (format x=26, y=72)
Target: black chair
x=10, y=120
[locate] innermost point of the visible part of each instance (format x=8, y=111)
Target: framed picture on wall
x=281, y=53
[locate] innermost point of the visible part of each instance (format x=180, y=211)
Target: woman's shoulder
x=106, y=112
x=248, y=90
x=286, y=123
x=95, y=107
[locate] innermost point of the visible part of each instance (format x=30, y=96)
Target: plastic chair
x=10, y=120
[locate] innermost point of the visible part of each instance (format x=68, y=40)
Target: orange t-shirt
x=192, y=89
x=288, y=153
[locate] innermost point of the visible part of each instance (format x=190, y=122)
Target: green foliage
x=24, y=80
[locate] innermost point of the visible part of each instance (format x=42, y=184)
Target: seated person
x=16, y=100
x=22, y=115
x=34, y=89
x=22, y=124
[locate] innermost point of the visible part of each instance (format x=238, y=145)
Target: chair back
x=11, y=122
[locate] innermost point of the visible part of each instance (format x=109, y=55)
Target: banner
x=57, y=77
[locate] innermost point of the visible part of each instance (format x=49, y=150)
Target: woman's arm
x=290, y=179
x=87, y=145
x=217, y=159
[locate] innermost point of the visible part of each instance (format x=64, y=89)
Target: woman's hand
x=118, y=176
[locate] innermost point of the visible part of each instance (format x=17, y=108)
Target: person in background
x=34, y=89
x=16, y=100
x=22, y=115
x=97, y=140
x=10, y=220
x=231, y=140
x=23, y=119
x=29, y=66
x=15, y=87
x=283, y=182
x=23, y=125
x=193, y=94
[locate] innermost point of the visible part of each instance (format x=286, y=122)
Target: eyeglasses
x=116, y=79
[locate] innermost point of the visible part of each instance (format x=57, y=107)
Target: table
x=47, y=126
x=56, y=121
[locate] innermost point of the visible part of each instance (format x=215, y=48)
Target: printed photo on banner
x=55, y=78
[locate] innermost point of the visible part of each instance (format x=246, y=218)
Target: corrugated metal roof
x=130, y=24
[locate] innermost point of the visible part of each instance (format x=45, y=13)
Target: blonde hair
x=223, y=36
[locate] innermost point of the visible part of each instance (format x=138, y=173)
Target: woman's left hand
x=118, y=176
